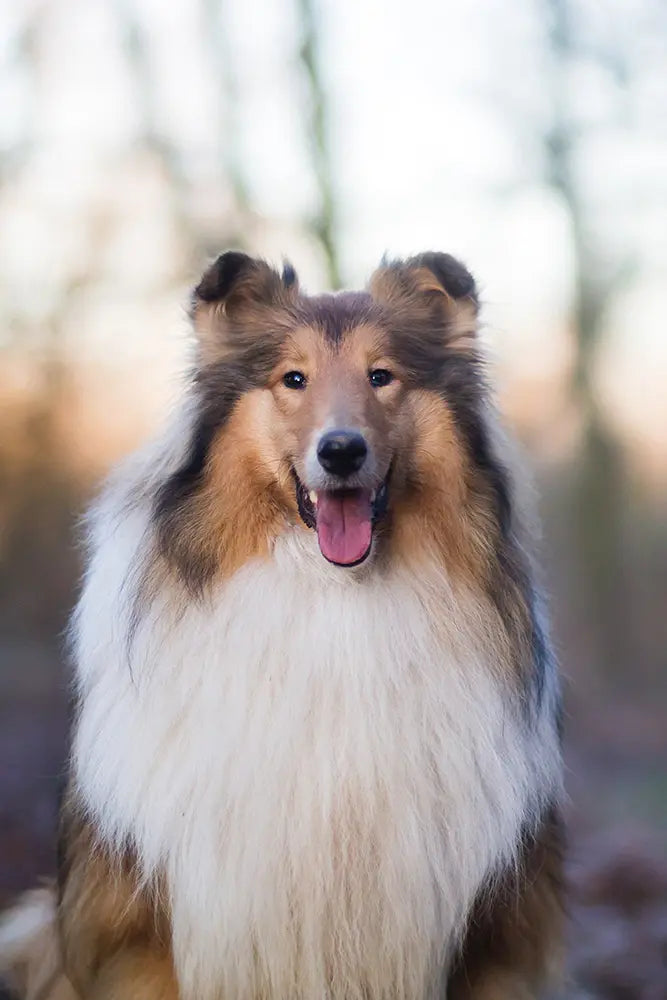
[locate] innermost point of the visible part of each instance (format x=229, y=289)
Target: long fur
x=293, y=727
x=324, y=771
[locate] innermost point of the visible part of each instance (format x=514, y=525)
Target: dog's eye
x=294, y=380
x=380, y=377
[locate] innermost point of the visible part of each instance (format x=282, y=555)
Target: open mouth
x=343, y=519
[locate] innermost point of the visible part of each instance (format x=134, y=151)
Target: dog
x=316, y=750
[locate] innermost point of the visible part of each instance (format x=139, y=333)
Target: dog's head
x=347, y=415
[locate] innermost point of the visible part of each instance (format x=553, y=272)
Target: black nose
x=342, y=452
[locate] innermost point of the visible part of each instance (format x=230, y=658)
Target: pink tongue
x=344, y=525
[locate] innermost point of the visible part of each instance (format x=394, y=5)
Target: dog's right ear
x=234, y=292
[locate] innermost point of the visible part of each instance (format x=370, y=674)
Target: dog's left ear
x=434, y=288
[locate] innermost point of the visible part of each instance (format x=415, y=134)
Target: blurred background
x=138, y=138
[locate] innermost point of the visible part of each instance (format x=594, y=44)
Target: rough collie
x=316, y=748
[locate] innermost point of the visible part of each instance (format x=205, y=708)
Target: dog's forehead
x=335, y=315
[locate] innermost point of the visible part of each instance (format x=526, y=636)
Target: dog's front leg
x=115, y=930
x=513, y=948
x=134, y=973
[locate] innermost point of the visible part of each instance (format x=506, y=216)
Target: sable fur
x=504, y=953
x=295, y=780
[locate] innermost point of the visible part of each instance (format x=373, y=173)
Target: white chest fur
x=325, y=765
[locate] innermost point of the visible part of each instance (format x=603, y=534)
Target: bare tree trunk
x=599, y=486
x=318, y=131
x=220, y=59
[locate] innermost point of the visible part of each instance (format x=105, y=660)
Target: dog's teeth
x=373, y=496
x=312, y=496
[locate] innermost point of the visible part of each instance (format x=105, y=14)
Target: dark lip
x=309, y=517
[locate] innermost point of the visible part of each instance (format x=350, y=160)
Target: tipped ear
x=236, y=287
x=235, y=278
x=435, y=287
x=452, y=276
x=218, y=280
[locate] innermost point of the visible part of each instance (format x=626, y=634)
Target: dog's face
x=337, y=415
x=340, y=413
